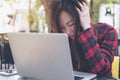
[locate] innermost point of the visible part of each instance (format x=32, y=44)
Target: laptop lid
x=42, y=56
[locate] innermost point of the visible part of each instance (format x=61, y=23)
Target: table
x=105, y=78
x=17, y=77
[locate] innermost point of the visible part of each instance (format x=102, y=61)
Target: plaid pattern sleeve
x=99, y=50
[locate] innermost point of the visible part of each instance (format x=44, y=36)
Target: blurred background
x=32, y=15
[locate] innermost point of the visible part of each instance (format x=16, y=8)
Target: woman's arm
x=99, y=56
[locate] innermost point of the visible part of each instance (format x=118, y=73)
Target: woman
x=92, y=49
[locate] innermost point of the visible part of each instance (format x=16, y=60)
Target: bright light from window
x=88, y=0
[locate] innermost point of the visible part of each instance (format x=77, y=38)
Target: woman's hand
x=84, y=16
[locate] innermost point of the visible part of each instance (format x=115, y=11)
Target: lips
x=72, y=37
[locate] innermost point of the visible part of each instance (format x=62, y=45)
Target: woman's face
x=67, y=24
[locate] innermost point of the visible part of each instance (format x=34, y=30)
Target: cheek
x=73, y=29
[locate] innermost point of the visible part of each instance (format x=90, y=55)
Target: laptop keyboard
x=78, y=78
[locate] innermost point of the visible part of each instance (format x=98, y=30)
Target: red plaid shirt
x=98, y=51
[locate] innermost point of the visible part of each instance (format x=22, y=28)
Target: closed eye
x=70, y=23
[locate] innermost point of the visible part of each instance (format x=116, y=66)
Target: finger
x=85, y=6
x=81, y=5
x=79, y=11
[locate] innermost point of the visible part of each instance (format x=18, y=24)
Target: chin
x=72, y=38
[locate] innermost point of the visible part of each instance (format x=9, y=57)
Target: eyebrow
x=69, y=21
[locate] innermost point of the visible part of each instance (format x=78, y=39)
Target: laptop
x=43, y=56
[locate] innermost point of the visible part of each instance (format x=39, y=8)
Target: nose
x=68, y=32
